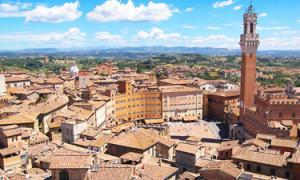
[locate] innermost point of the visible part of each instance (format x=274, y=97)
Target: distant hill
x=140, y=51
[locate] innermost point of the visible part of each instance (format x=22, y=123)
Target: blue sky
x=114, y=23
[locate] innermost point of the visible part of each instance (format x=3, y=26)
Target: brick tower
x=249, y=43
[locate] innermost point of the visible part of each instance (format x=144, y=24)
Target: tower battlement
x=279, y=98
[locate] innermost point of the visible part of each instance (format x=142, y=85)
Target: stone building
x=71, y=130
x=179, y=102
x=17, y=81
x=221, y=103
x=187, y=155
x=2, y=85
x=135, y=105
x=105, y=68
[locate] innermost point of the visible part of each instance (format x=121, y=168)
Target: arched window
x=63, y=175
x=251, y=28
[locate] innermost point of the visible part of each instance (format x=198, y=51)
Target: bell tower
x=249, y=42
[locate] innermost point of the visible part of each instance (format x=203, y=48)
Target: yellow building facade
x=136, y=105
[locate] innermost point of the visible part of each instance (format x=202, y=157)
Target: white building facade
x=179, y=102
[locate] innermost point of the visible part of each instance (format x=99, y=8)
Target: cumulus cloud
x=55, y=14
x=236, y=8
x=156, y=34
x=221, y=4
x=215, y=41
x=214, y=28
x=41, y=13
x=262, y=15
x=187, y=26
x=13, y=9
x=115, y=10
x=281, y=43
x=108, y=37
x=189, y=9
x=71, y=37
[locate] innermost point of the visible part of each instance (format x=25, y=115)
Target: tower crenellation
x=249, y=40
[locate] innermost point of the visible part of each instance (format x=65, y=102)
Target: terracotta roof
x=122, y=127
x=10, y=150
x=265, y=136
x=90, y=132
x=194, y=139
x=176, y=81
x=66, y=159
x=177, y=89
x=188, y=176
x=10, y=130
x=224, y=166
x=226, y=145
x=137, y=140
x=149, y=171
x=289, y=143
x=256, y=142
x=154, y=121
x=202, y=162
x=187, y=148
x=226, y=93
x=82, y=142
x=113, y=172
x=13, y=79
x=166, y=142
x=101, y=140
x=107, y=157
x=272, y=159
x=295, y=157
x=132, y=156
x=16, y=119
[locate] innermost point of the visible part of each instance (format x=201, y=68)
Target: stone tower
x=249, y=43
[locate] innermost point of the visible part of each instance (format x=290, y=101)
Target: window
x=272, y=171
x=248, y=166
x=258, y=169
x=280, y=115
x=63, y=175
x=251, y=28
x=293, y=115
x=287, y=174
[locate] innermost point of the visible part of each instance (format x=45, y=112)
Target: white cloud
x=55, y=14
x=287, y=32
x=156, y=34
x=213, y=28
x=71, y=37
x=281, y=43
x=187, y=26
x=221, y=4
x=263, y=28
x=189, y=9
x=298, y=20
x=262, y=15
x=108, y=37
x=221, y=41
x=236, y=8
x=13, y=9
x=115, y=10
